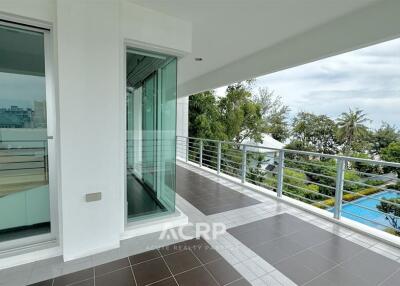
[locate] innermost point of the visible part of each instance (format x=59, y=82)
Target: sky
x=21, y=90
x=368, y=79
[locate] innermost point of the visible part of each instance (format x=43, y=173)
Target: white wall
x=89, y=73
x=89, y=37
x=42, y=10
x=182, y=117
x=182, y=125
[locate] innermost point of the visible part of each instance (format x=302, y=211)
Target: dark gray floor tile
x=88, y=282
x=311, y=237
x=208, y=196
x=145, y=256
x=337, y=249
x=223, y=272
x=74, y=277
x=122, y=277
x=392, y=280
x=111, y=266
x=240, y=282
x=313, y=261
x=340, y=276
x=150, y=271
x=256, y=237
x=205, y=253
x=181, y=261
x=196, y=277
x=43, y=283
x=181, y=246
x=371, y=266
x=318, y=281
x=270, y=253
x=166, y=282
x=289, y=245
x=296, y=272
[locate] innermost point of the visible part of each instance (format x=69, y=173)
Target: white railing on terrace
x=344, y=186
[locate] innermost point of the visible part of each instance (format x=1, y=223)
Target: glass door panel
x=151, y=120
x=148, y=131
x=24, y=176
x=167, y=134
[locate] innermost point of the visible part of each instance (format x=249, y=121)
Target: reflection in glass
x=151, y=121
x=24, y=189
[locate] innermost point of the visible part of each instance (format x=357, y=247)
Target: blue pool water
x=353, y=212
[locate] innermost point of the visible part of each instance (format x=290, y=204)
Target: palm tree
x=351, y=127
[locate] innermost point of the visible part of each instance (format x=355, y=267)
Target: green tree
x=392, y=211
x=241, y=117
x=382, y=137
x=392, y=154
x=365, y=167
x=204, y=117
x=275, y=114
x=314, y=133
x=352, y=130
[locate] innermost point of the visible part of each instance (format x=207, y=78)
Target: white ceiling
x=225, y=31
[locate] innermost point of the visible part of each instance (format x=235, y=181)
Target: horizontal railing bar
x=311, y=164
x=307, y=199
x=227, y=160
x=261, y=183
x=307, y=190
x=311, y=173
x=371, y=186
x=367, y=208
x=230, y=167
x=310, y=182
x=370, y=197
x=370, y=220
x=347, y=158
x=370, y=175
x=264, y=170
x=264, y=177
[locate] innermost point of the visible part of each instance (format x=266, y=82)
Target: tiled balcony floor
x=208, y=196
x=189, y=263
x=309, y=255
x=258, y=245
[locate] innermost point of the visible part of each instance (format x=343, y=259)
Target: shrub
x=374, y=182
x=347, y=197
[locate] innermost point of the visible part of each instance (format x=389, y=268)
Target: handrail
x=347, y=158
x=275, y=174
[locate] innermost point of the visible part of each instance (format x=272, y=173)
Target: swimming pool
x=354, y=212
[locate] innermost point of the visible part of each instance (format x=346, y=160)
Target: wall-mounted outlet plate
x=92, y=197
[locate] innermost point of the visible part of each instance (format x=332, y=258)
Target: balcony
x=273, y=236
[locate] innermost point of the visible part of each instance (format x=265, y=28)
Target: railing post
x=281, y=166
x=201, y=153
x=244, y=163
x=340, y=169
x=187, y=149
x=219, y=158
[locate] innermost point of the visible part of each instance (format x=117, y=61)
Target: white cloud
x=368, y=78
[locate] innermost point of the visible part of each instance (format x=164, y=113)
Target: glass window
x=24, y=187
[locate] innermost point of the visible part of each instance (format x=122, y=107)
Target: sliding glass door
x=24, y=159
x=151, y=124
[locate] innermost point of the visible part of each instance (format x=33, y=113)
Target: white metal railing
x=342, y=185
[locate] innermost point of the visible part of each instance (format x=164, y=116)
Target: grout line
x=134, y=276
x=115, y=270
x=390, y=276
x=204, y=267
x=169, y=269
